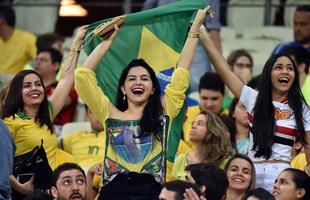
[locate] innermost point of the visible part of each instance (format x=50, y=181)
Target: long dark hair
x=14, y=101
x=264, y=114
x=301, y=180
x=150, y=121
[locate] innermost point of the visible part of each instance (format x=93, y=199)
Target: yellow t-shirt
x=17, y=51
x=28, y=134
x=299, y=161
x=87, y=148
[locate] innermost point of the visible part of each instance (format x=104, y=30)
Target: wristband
x=74, y=50
x=193, y=35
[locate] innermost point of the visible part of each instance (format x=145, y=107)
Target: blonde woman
x=211, y=144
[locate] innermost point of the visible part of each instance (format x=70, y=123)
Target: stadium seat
x=243, y=14
x=36, y=19
x=75, y=126
x=280, y=33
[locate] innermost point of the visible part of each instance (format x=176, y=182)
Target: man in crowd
x=69, y=182
x=17, y=47
x=175, y=190
x=301, y=30
x=210, y=178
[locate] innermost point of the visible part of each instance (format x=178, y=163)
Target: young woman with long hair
x=136, y=127
x=240, y=138
x=211, y=144
x=291, y=184
x=277, y=112
x=241, y=177
x=29, y=114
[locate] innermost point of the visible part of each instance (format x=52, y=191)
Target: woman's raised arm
x=220, y=64
x=101, y=49
x=65, y=84
x=189, y=48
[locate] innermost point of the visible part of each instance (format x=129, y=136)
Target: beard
x=73, y=195
x=303, y=40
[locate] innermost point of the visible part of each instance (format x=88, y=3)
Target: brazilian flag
x=157, y=36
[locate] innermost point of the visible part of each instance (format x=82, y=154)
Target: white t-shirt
x=285, y=129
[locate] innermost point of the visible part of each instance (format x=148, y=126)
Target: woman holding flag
x=137, y=126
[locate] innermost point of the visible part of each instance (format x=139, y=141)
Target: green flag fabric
x=157, y=36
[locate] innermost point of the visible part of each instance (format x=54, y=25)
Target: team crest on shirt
x=282, y=114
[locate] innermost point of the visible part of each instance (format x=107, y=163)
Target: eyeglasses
x=242, y=65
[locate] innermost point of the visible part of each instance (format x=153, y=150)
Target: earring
x=124, y=99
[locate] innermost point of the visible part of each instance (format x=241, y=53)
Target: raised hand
x=199, y=19
x=78, y=39
x=190, y=194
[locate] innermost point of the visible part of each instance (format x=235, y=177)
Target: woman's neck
x=31, y=111
x=242, y=131
x=134, y=112
x=234, y=194
x=198, y=152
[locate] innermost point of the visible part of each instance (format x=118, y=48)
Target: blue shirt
x=280, y=47
x=7, y=152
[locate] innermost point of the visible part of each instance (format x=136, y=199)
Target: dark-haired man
x=69, y=182
x=17, y=46
x=301, y=30
x=175, y=190
x=210, y=178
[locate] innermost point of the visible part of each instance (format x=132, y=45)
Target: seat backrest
x=36, y=19
x=280, y=33
x=247, y=13
x=75, y=126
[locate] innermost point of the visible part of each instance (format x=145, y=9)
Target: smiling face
x=32, y=90
x=70, y=185
x=284, y=187
x=239, y=174
x=282, y=76
x=138, y=86
x=199, y=129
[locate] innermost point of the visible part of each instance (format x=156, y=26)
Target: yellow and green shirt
x=124, y=150
x=28, y=134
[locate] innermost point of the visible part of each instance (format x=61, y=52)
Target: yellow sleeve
x=299, y=161
x=10, y=123
x=97, y=180
x=89, y=91
x=175, y=92
x=178, y=169
x=61, y=158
